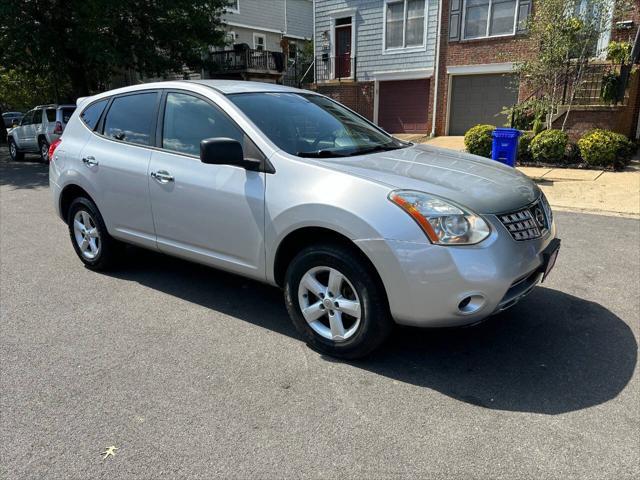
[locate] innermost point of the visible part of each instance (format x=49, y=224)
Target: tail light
x=52, y=148
x=58, y=128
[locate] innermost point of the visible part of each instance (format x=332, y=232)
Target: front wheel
x=337, y=302
x=15, y=154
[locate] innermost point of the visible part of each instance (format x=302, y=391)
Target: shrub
x=478, y=140
x=524, y=154
x=549, y=146
x=605, y=148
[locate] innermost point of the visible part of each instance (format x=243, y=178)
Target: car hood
x=483, y=185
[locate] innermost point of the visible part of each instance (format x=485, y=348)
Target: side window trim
x=265, y=165
x=154, y=119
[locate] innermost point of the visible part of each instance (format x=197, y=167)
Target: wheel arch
x=68, y=195
x=298, y=239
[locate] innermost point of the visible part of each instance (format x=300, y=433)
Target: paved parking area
x=194, y=373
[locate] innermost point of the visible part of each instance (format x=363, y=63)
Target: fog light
x=471, y=304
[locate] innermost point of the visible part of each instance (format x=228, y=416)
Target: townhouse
x=264, y=40
x=440, y=67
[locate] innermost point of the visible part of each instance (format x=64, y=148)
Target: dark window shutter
x=523, y=16
x=455, y=19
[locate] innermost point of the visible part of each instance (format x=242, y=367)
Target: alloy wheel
x=86, y=234
x=13, y=150
x=329, y=303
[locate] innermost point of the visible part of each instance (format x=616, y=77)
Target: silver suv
x=290, y=188
x=38, y=129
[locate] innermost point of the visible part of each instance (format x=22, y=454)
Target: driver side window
x=188, y=120
x=27, y=119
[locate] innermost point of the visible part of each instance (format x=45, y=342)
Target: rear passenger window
x=130, y=119
x=188, y=120
x=51, y=115
x=91, y=114
x=37, y=117
x=66, y=113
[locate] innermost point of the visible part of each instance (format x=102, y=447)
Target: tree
x=80, y=44
x=566, y=34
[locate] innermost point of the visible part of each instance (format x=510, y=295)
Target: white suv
x=38, y=129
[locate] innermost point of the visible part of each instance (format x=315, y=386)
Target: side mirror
x=225, y=151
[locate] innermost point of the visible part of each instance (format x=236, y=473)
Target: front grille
x=527, y=223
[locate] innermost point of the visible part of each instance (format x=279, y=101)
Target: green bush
x=549, y=146
x=604, y=148
x=524, y=154
x=478, y=140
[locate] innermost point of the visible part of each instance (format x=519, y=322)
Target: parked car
x=11, y=118
x=291, y=188
x=38, y=129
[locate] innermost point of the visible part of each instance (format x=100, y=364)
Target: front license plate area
x=549, y=257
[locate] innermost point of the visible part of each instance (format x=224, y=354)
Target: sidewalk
x=596, y=191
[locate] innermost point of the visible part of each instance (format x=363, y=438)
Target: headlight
x=443, y=222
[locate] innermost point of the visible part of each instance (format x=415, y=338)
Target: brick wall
x=358, y=96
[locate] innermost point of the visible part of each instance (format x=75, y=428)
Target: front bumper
x=428, y=284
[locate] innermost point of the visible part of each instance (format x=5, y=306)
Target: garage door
x=403, y=106
x=480, y=99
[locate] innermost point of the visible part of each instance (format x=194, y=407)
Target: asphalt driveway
x=195, y=373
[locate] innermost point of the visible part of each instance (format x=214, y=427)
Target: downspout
x=436, y=71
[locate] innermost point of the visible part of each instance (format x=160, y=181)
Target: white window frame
x=264, y=41
x=232, y=9
x=404, y=48
x=487, y=35
x=333, y=16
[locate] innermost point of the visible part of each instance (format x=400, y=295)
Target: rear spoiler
x=82, y=100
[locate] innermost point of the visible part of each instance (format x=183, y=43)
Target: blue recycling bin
x=505, y=145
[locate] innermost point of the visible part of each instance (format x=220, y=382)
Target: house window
x=259, y=41
x=404, y=23
x=490, y=18
x=233, y=6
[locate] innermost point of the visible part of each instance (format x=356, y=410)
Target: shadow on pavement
x=552, y=353
x=27, y=174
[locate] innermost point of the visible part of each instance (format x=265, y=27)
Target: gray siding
x=369, y=20
x=300, y=18
x=259, y=13
x=270, y=15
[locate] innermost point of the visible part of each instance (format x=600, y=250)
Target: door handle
x=162, y=176
x=90, y=161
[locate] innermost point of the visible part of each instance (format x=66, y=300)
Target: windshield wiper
x=320, y=154
x=377, y=148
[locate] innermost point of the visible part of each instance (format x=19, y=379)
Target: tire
x=107, y=249
x=360, y=336
x=15, y=154
x=43, y=147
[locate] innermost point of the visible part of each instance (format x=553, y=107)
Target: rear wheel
x=89, y=236
x=15, y=154
x=44, y=150
x=336, y=302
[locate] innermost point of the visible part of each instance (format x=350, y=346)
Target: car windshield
x=312, y=125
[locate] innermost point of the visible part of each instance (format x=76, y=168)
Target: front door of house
x=343, y=48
